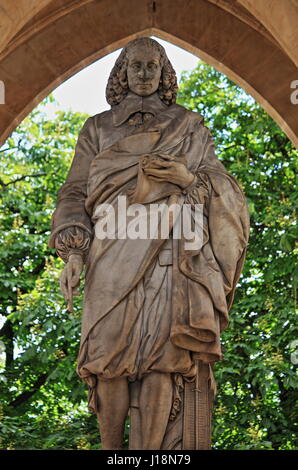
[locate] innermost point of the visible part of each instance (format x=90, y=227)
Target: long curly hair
x=117, y=87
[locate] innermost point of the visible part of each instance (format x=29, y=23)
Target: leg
x=113, y=408
x=156, y=397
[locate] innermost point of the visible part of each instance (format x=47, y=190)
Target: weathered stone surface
x=154, y=307
x=44, y=42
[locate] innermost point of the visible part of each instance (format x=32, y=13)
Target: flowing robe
x=148, y=303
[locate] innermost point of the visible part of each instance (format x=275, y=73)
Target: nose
x=143, y=73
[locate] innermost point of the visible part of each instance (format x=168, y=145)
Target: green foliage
x=255, y=405
x=43, y=403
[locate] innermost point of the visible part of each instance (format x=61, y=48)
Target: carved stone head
x=143, y=68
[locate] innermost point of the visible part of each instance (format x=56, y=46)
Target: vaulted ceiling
x=43, y=42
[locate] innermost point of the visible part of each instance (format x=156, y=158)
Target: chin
x=143, y=91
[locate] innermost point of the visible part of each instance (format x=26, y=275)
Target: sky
x=85, y=91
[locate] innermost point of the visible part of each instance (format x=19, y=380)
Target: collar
x=133, y=103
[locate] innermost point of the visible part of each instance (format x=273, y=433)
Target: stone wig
x=117, y=87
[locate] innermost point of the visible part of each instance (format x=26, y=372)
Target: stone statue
x=153, y=310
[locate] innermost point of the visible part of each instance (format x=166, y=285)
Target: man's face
x=143, y=70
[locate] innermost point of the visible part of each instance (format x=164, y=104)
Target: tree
x=43, y=401
x=41, y=396
x=256, y=380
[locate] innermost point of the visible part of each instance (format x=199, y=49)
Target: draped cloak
x=203, y=281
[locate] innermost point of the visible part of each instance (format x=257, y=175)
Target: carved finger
x=151, y=165
x=75, y=280
x=166, y=156
x=69, y=270
x=155, y=178
x=156, y=172
x=161, y=163
x=69, y=303
x=63, y=284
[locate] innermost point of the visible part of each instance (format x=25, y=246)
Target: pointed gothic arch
x=44, y=42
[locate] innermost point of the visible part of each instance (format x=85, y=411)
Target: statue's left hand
x=169, y=170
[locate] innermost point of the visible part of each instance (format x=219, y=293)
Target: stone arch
x=52, y=40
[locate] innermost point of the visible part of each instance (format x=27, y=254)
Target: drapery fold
x=204, y=280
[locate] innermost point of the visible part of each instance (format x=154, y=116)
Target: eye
x=152, y=65
x=136, y=66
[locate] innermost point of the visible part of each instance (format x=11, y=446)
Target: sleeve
x=72, y=240
x=198, y=191
x=70, y=210
x=201, y=151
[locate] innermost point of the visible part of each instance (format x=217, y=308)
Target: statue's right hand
x=70, y=278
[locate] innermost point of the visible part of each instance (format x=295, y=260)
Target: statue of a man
x=153, y=310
